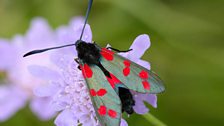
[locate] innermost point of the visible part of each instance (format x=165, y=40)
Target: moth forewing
x=106, y=102
x=132, y=75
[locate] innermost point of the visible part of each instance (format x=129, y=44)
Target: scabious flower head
x=67, y=87
x=18, y=85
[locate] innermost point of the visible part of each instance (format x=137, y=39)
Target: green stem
x=153, y=120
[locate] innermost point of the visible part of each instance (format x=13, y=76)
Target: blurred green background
x=187, y=49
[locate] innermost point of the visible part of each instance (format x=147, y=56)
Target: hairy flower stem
x=153, y=120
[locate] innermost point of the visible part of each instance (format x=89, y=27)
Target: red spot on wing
x=101, y=92
x=113, y=80
x=143, y=74
x=112, y=84
x=112, y=113
x=92, y=92
x=146, y=85
x=107, y=54
x=126, y=71
x=102, y=110
x=83, y=72
x=127, y=63
x=86, y=71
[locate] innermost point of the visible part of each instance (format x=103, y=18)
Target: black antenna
x=43, y=50
x=86, y=18
x=47, y=49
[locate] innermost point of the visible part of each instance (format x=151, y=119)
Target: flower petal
x=139, y=46
x=77, y=25
x=44, y=112
x=150, y=98
x=140, y=107
x=139, y=98
x=61, y=102
x=11, y=100
x=6, y=49
x=43, y=72
x=123, y=122
x=39, y=34
x=46, y=90
x=88, y=120
x=70, y=34
x=144, y=64
x=66, y=118
x=60, y=59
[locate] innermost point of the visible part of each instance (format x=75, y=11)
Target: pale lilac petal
x=11, y=100
x=77, y=25
x=66, y=118
x=150, y=98
x=70, y=34
x=43, y=72
x=88, y=123
x=88, y=120
x=64, y=35
x=139, y=46
x=139, y=107
x=61, y=102
x=7, y=60
x=144, y=64
x=42, y=108
x=123, y=122
x=46, y=90
x=139, y=98
x=39, y=34
x=61, y=60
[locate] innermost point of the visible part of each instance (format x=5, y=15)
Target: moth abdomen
x=127, y=100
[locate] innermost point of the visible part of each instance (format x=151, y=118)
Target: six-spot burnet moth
x=110, y=77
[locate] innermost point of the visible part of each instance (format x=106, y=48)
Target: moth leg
x=77, y=61
x=119, y=51
x=79, y=67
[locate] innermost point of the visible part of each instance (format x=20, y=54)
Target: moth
x=110, y=77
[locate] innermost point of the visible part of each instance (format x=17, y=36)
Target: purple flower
x=17, y=87
x=67, y=88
